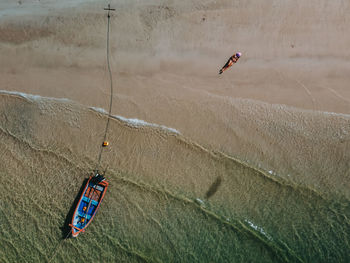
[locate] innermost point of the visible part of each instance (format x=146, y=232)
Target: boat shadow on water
x=66, y=229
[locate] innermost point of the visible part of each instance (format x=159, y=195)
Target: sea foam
x=32, y=97
x=257, y=228
x=136, y=122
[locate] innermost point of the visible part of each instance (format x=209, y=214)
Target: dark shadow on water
x=214, y=187
x=66, y=228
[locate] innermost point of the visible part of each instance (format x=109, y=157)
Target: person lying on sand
x=230, y=62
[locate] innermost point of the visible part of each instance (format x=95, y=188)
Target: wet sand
x=169, y=197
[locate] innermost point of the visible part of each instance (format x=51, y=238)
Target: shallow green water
x=211, y=208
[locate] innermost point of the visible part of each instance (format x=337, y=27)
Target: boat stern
x=75, y=231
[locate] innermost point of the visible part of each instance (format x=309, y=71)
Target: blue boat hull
x=88, y=204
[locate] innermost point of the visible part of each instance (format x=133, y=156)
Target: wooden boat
x=88, y=204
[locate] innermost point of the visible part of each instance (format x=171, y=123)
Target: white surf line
x=100, y=110
x=257, y=228
x=131, y=122
x=338, y=95
x=136, y=122
x=32, y=96
x=199, y=201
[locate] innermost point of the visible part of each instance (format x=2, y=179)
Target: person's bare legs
x=227, y=65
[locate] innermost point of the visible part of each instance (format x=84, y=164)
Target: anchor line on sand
x=57, y=247
x=107, y=124
x=111, y=88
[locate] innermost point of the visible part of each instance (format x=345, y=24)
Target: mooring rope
x=58, y=246
x=111, y=89
x=107, y=124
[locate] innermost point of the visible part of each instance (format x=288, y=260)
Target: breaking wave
x=136, y=122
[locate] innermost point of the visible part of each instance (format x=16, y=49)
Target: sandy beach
x=267, y=141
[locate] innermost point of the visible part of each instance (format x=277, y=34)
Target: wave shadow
x=214, y=187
